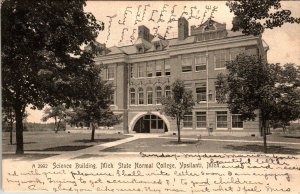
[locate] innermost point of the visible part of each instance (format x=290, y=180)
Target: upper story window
x=131, y=70
x=110, y=72
x=158, y=68
x=201, y=93
x=220, y=59
x=141, y=70
x=158, y=94
x=132, y=96
x=200, y=62
x=149, y=69
x=141, y=96
x=168, y=91
x=167, y=67
x=187, y=63
x=149, y=95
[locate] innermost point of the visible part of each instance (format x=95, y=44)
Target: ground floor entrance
x=150, y=124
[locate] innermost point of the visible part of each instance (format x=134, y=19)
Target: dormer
x=142, y=45
x=159, y=43
x=209, y=30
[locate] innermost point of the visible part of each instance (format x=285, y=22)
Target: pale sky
x=284, y=42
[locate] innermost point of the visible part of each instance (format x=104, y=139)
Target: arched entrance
x=150, y=123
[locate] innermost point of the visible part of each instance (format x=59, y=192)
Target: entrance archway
x=150, y=123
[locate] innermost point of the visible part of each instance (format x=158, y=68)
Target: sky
x=284, y=42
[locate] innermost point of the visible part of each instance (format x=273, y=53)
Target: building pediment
x=208, y=26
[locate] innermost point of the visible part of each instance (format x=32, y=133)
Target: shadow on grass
x=181, y=143
x=64, y=148
x=23, y=143
x=260, y=148
x=292, y=137
x=97, y=140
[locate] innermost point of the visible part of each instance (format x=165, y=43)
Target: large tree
x=95, y=108
x=42, y=54
x=253, y=85
x=253, y=16
x=178, y=104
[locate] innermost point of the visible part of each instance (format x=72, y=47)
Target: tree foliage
x=178, y=104
x=253, y=16
x=58, y=113
x=41, y=53
x=95, y=108
x=252, y=84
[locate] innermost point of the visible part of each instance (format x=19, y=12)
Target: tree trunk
x=57, y=126
x=19, y=129
x=11, y=126
x=178, y=129
x=265, y=134
x=93, y=132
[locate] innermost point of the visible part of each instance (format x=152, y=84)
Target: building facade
x=142, y=73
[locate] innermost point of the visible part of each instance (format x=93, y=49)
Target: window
x=149, y=95
x=141, y=96
x=187, y=64
x=142, y=71
x=201, y=119
x=168, y=91
x=132, y=96
x=158, y=68
x=237, y=121
x=131, y=69
x=222, y=119
x=167, y=67
x=158, y=94
x=234, y=53
x=157, y=46
x=220, y=59
x=149, y=69
x=188, y=120
x=110, y=72
x=218, y=94
x=201, y=93
x=112, y=98
x=200, y=62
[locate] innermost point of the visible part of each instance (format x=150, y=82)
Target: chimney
x=183, y=28
x=144, y=33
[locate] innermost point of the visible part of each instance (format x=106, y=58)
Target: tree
x=58, y=113
x=42, y=54
x=94, y=109
x=288, y=105
x=253, y=16
x=178, y=104
x=252, y=84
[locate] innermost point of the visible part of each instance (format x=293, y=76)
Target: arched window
x=141, y=96
x=149, y=95
x=132, y=96
x=158, y=94
x=168, y=91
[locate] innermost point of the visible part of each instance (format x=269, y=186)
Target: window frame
x=236, y=128
x=110, y=71
x=187, y=57
x=156, y=95
x=200, y=64
x=218, y=54
x=201, y=94
x=141, y=96
x=205, y=120
x=217, y=122
x=132, y=91
x=149, y=90
x=189, y=115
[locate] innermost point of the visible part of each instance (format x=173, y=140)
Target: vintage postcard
x=150, y=96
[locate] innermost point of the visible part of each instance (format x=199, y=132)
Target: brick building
x=143, y=72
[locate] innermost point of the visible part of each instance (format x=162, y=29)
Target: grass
x=194, y=146
x=50, y=141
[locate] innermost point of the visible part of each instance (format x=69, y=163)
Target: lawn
x=50, y=141
x=195, y=146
